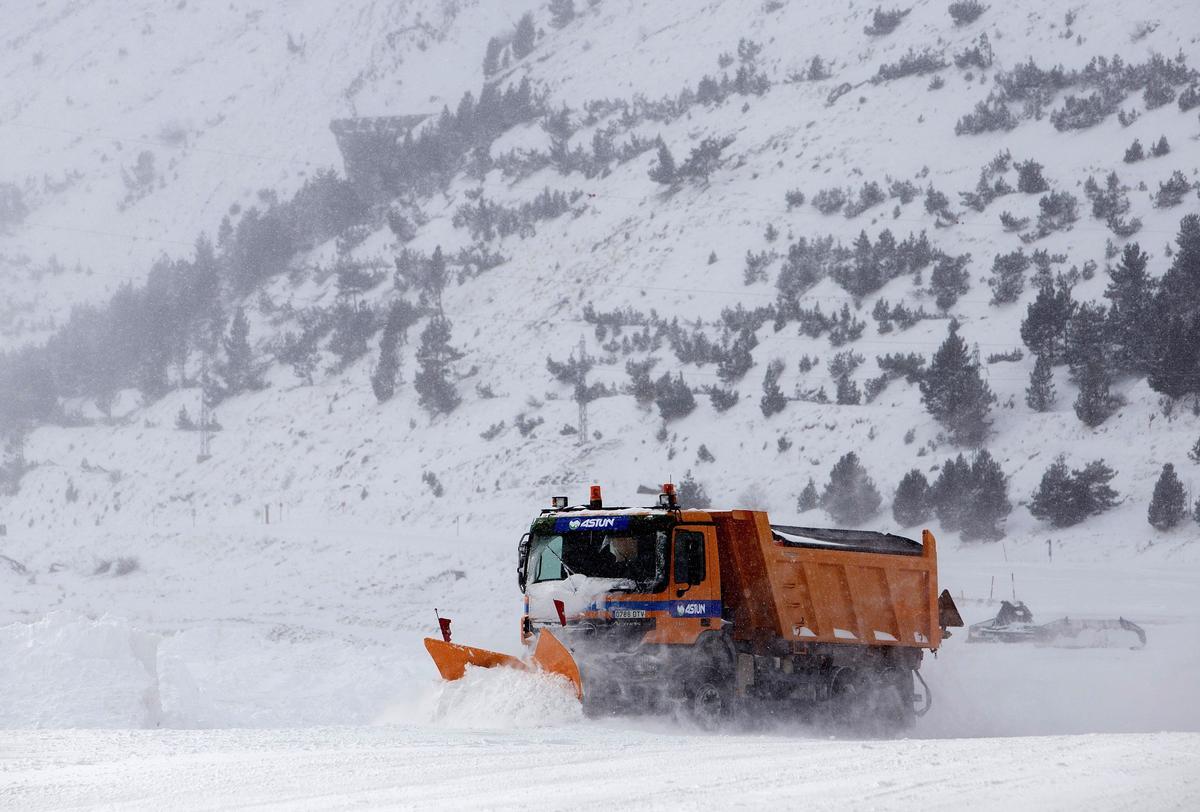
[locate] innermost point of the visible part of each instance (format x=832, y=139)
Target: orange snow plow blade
x=452, y=659
x=550, y=656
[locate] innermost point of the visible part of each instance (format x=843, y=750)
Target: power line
x=115, y=235
x=160, y=142
x=792, y=212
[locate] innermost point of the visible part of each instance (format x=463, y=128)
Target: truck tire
x=891, y=702
x=710, y=685
x=873, y=703
x=710, y=699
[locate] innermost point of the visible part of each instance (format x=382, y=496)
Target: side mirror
x=522, y=560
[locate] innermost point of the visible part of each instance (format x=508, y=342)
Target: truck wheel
x=710, y=700
x=846, y=697
x=872, y=703
x=890, y=703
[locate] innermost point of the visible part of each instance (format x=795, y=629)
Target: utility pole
x=205, y=417
x=205, y=430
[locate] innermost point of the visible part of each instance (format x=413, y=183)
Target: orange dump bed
x=805, y=585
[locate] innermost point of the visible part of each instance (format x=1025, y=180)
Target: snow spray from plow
x=549, y=656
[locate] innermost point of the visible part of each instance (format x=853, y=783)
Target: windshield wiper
x=566, y=569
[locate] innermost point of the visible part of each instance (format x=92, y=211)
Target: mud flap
x=948, y=616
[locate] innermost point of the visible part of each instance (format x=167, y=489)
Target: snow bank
x=254, y=675
x=69, y=671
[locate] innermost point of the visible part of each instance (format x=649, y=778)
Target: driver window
x=549, y=561
x=689, y=557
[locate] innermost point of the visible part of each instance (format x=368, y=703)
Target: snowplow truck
x=645, y=609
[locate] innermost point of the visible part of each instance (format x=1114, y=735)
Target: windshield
x=637, y=557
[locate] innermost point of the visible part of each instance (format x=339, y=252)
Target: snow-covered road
x=587, y=765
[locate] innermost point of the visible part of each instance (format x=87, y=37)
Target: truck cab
x=648, y=575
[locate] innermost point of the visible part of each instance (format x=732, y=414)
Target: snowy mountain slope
x=365, y=548
x=628, y=243
x=229, y=100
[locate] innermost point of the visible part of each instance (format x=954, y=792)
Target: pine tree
x=561, y=12
x=1095, y=402
x=225, y=234
x=817, y=70
x=1087, y=339
x=1160, y=148
x=664, y=171
x=673, y=397
x=640, y=385
x=1029, y=178
x=955, y=393
x=848, y=393
x=1194, y=454
x=773, y=400
x=437, y=393
x=850, y=496
x=1167, y=505
x=1040, y=394
x=1065, y=498
x=1175, y=361
x=1135, y=152
x=1044, y=329
x=1055, y=498
x=704, y=159
x=1179, y=289
x=236, y=372
x=1095, y=492
x=1130, y=293
x=949, y=280
x=722, y=399
x=352, y=328
x=491, y=58
x=525, y=37
x=986, y=505
x=1174, y=367
x=737, y=360
x=1088, y=355
x=383, y=380
x=809, y=498
x=911, y=505
x=948, y=493
x=151, y=378
x=1008, y=276
x=692, y=493
x=202, y=295
x=432, y=279
x=864, y=275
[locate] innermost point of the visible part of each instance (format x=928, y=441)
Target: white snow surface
x=594, y=767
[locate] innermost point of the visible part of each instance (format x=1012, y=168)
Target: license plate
x=628, y=614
